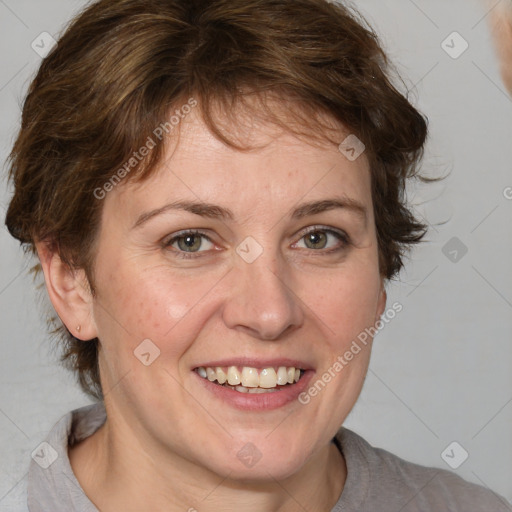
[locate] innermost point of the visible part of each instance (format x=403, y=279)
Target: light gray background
x=441, y=370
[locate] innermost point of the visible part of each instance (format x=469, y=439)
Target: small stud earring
x=78, y=328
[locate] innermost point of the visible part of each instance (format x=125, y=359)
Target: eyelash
x=342, y=237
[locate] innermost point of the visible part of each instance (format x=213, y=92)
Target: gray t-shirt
x=377, y=481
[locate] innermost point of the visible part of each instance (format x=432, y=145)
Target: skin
x=501, y=27
x=168, y=444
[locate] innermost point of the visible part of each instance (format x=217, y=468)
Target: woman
x=214, y=191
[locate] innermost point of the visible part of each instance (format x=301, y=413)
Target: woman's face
x=277, y=278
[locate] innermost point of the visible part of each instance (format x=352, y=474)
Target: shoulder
x=52, y=485
x=383, y=479
x=16, y=498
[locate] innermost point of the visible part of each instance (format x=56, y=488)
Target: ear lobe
x=69, y=292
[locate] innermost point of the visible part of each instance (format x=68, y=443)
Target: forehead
x=280, y=170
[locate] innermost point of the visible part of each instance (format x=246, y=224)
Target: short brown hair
x=123, y=64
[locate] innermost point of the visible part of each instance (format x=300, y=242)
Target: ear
x=69, y=292
x=381, y=302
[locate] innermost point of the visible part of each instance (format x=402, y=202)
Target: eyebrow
x=213, y=211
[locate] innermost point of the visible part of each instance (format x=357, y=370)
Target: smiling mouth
x=251, y=380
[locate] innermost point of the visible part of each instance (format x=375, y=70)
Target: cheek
x=138, y=306
x=151, y=303
x=348, y=303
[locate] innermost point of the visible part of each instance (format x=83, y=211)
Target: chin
x=255, y=465
x=245, y=463
x=265, y=471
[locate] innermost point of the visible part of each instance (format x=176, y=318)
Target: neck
x=118, y=473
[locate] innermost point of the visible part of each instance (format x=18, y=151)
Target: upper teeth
x=251, y=377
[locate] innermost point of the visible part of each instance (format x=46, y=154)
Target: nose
x=262, y=301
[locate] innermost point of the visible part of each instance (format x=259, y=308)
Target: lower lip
x=258, y=401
